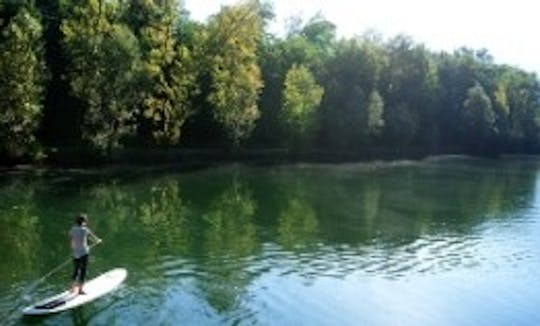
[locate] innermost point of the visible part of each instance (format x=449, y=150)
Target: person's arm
x=94, y=237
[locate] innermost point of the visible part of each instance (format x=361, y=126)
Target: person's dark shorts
x=79, y=268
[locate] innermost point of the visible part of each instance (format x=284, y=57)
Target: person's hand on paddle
x=97, y=240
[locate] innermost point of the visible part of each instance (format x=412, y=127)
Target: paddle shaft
x=34, y=284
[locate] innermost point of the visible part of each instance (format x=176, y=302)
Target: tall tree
x=301, y=98
x=322, y=33
x=22, y=79
x=409, y=88
x=524, y=101
x=351, y=96
x=104, y=57
x=501, y=105
x=169, y=70
x=478, y=115
x=456, y=74
x=375, y=114
x=61, y=112
x=277, y=57
x=232, y=41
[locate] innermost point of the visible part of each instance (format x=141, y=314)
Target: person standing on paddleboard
x=78, y=238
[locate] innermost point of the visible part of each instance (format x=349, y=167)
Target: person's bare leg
x=81, y=288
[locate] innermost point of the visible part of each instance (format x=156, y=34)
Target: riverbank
x=75, y=157
x=189, y=158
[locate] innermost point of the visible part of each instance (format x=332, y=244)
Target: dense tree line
x=104, y=74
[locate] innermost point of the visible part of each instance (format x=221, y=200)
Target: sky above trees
x=503, y=27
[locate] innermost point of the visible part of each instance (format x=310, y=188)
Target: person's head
x=81, y=219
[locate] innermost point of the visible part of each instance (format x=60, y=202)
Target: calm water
x=438, y=242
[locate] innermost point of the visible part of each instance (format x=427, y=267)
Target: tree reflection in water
x=230, y=237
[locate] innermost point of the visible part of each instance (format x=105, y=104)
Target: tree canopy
x=22, y=79
x=100, y=75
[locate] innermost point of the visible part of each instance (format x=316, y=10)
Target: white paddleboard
x=94, y=289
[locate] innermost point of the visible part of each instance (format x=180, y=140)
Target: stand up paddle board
x=93, y=289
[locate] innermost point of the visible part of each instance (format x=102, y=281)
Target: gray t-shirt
x=79, y=240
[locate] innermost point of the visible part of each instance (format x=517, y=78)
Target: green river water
x=450, y=241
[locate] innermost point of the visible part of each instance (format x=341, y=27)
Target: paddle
x=32, y=286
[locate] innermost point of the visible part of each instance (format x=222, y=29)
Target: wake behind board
x=93, y=289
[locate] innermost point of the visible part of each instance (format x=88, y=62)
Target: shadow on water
x=212, y=233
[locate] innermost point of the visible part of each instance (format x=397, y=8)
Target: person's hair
x=80, y=219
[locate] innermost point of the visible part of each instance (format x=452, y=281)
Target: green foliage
x=301, y=98
x=277, y=57
x=402, y=123
x=351, y=110
x=524, y=101
x=375, y=114
x=169, y=69
x=409, y=85
x=232, y=39
x=478, y=111
x=22, y=81
x=321, y=33
x=123, y=66
x=104, y=73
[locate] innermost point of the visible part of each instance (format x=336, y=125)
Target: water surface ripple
x=437, y=242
